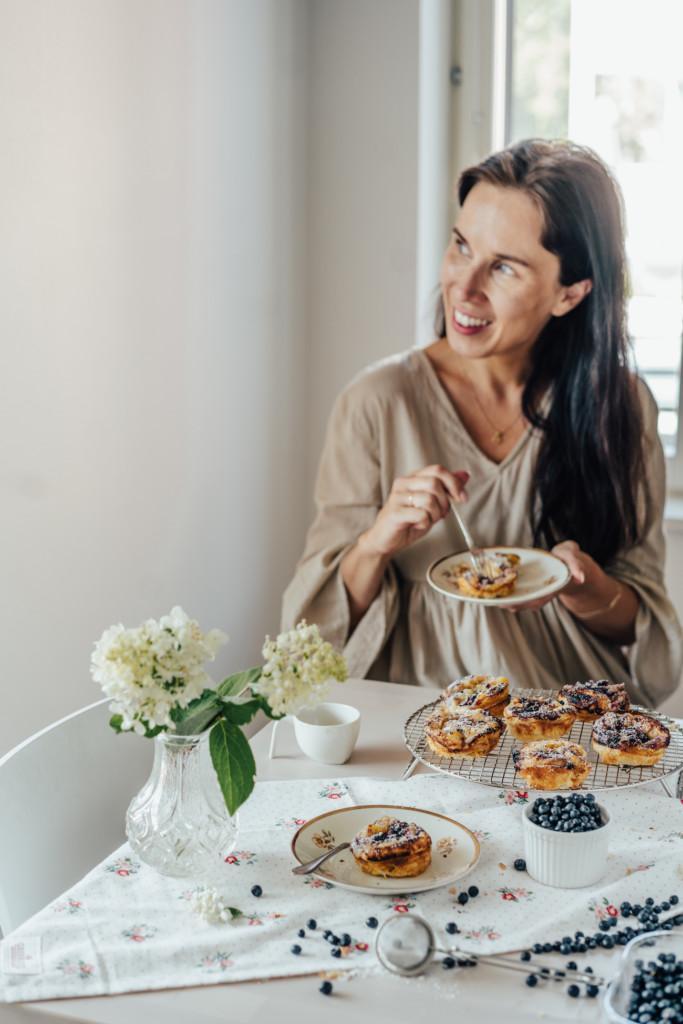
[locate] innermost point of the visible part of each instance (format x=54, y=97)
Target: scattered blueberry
x=296, y=950
x=473, y=891
x=592, y=991
x=448, y=962
x=312, y=924
x=571, y=966
x=335, y=951
x=301, y=933
x=256, y=890
x=525, y=955
x=371, y=922
x=673, y=900
x=574, y=991
x=452, y=928
x=326, y=988
x=463, y=898
x=531, y=980
x=345, y=939
x=520, y=864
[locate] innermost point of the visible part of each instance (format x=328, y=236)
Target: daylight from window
x=608, y=73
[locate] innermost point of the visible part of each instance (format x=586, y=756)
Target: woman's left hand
x=583, y=571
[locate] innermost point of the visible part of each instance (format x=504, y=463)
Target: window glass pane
x=608, y=74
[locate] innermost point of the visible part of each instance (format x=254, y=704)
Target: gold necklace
x=498, y=435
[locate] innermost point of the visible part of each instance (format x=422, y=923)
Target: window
x=608, y=74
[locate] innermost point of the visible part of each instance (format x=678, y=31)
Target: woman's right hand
x=415, y=504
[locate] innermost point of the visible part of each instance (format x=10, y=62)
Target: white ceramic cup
x=327, y=732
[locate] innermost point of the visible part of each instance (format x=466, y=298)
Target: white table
x=481, y=995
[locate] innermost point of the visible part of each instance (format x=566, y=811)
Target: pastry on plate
x=630, y=738
x=462, y=732
x=392, y=848
x=552, y=764
x=490, y=693
x=538, y=718
x=497, y=578
x=592, y=699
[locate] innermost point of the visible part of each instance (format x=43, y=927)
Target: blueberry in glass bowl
x=649, y=976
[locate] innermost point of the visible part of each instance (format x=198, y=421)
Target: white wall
x=363, y=191
x=152, y=269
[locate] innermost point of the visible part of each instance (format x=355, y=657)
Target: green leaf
x=151, y=733
x=233, y=762
x=234, y=912
x=198, y=714
x=236, y=684
x=240, y=714
x=265, y=707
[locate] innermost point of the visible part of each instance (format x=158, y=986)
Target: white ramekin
x=568, y=860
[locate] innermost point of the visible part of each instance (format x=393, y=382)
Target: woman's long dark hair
x=590, y=465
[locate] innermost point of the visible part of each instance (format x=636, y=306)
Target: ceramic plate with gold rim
x=539, y=574
x=455, y=850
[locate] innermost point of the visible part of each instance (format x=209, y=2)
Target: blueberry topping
x=345, y=939
x=371, y=922
x=473, y=891
x=525, y=955
x=452, y=928
x=312, y=924
x=296, y=950
x=448, y=962
x=574, y=991
x=326, y=988
x=335, y=951
x=463, y=898
x=520, y=864
x=256, y=890
x=531, y=980
x=592, y=991
x=301, y=933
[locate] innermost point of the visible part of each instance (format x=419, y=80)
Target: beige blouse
x=395, y=418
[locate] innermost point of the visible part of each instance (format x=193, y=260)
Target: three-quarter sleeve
x=656, y=657
x=348, y=496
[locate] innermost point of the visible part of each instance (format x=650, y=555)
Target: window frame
x=481, y=104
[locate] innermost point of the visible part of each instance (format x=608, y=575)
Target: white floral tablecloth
x=125, y=928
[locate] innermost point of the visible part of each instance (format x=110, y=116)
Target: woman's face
x=499, y=285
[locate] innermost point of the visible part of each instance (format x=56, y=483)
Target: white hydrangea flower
x=149, y=670
x=212, y=907
x=298, y=667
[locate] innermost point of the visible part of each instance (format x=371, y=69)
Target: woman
x=524, y=408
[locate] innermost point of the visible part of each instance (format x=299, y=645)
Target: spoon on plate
x=311, y=865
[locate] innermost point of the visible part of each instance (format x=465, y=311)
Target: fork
x=477, y=555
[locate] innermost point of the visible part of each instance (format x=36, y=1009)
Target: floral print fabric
x=125, y=928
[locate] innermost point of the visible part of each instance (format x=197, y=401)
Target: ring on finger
x=411, y=499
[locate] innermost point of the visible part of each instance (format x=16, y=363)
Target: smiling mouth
x=463, y=320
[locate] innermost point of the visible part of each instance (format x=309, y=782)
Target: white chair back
x=63, y=799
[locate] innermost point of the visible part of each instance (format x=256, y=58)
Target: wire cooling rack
x=497, y=769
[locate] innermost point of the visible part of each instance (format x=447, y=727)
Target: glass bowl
x=645, y=947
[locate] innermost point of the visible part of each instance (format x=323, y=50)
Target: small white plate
x=540, y=574
x=455, y=850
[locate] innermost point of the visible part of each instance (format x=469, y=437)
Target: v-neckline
x=449, y=407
